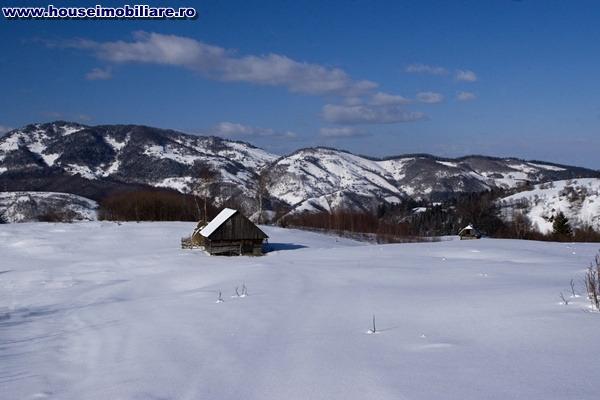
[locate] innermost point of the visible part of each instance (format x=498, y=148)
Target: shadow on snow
x=283, y=246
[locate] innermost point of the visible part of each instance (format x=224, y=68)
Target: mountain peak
x=53, y=154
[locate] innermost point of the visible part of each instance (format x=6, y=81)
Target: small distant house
x=469, y=232
x=230, y=233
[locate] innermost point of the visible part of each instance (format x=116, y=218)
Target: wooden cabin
x=469, y=232
x=230, y=233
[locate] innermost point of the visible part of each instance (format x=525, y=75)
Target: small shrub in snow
x=572, y=284
x=592, y=283
x=564, y=299
x=220, y=299
x=373, y=328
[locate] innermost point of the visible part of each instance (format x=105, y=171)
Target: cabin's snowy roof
x=468, y=228
x=217, y=222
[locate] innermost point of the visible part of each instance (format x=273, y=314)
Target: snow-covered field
x=105, y=311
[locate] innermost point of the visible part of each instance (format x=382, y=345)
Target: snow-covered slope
x=130, y=153
x=102, y=311
x=31, y=206
x=306, y=180
x=323, y=178
x=578, y=199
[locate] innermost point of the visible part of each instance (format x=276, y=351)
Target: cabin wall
x=468, y=237
x=237, y=235
x=229, y=247
x=469, y=234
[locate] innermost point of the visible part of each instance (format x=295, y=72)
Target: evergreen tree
x=561, y=226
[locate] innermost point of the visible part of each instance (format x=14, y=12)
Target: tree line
x=413, y=219
x=154, y=205
x=352, y=222
x=387, y=222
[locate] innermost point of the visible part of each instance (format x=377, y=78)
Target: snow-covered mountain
x=33, y=206
x=129, y=154
x=578, y=199
x=323, y=178
x=93, y=160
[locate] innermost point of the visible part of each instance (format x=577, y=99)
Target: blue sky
x=505, y=78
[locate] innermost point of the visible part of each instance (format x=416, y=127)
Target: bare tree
x=564, y=299
x=592, y=284
x=206, y=177
x=263, y=182
x=521, y=225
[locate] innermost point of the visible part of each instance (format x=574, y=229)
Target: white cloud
x=232, y=129
x=4, y=129
x=381, y=98
x=223, y=64
x=365, y=114
x=341, y=132
x=430, y=97
x=465, y=75
x=465, y=96
x=353, y=101
x=99, y=74
x=425, y=69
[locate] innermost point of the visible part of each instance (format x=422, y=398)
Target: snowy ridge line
x=307, y=179
x=319, y=178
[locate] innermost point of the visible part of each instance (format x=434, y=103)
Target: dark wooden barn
x=469, y=232
x=230, y=233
